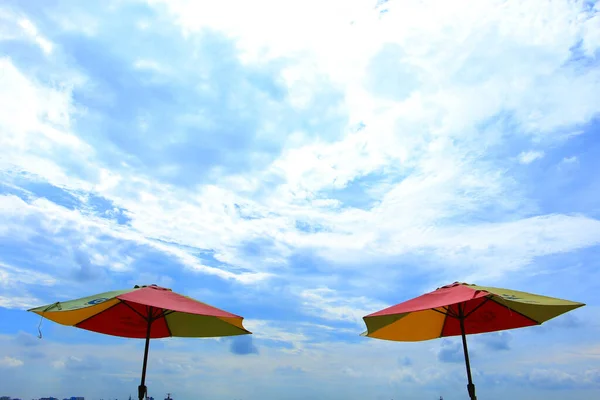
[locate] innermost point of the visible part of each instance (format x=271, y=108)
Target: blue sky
x=301, y=164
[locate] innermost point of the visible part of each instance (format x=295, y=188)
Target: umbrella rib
x=476, y=307
x=438, y=311
x=445, y=319
x=164, y=316
x=92, y=316
x=136, y=311
x=512, y=309
x=157, y=317
x=451, y=313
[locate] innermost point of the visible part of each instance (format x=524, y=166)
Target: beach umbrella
x=463, y=309
x=144, y=312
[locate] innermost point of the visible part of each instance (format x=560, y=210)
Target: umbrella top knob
x=451, y=285
x=153, y=286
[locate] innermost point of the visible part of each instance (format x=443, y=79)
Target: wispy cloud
x=530, y=156
x=329, y=305
x=10, y=362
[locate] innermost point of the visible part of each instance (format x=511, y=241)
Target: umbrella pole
x=142, y=390
x=470, y=385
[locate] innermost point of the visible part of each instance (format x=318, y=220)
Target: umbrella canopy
x=463, y=309
x=145, y=312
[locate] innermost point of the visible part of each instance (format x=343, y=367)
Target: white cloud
x=147, y=64
x=568, y=163
x=424, y=143
x=495, y=249
x=591, y=34
x=35, y=123
x=527, y=157
x=443, y=178
x=10, y=362
x=80, y=227
x=18, y=27
x=13, y=276
x=15, y=282
x=328, y=304
x=270, y=331
x=18, y=302
x=72, y=19
x=31, y=30
x=343, y=37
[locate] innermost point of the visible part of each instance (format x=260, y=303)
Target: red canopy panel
x=485, y=316
x=156, y=296
x=123, y=320
x=442, y=297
